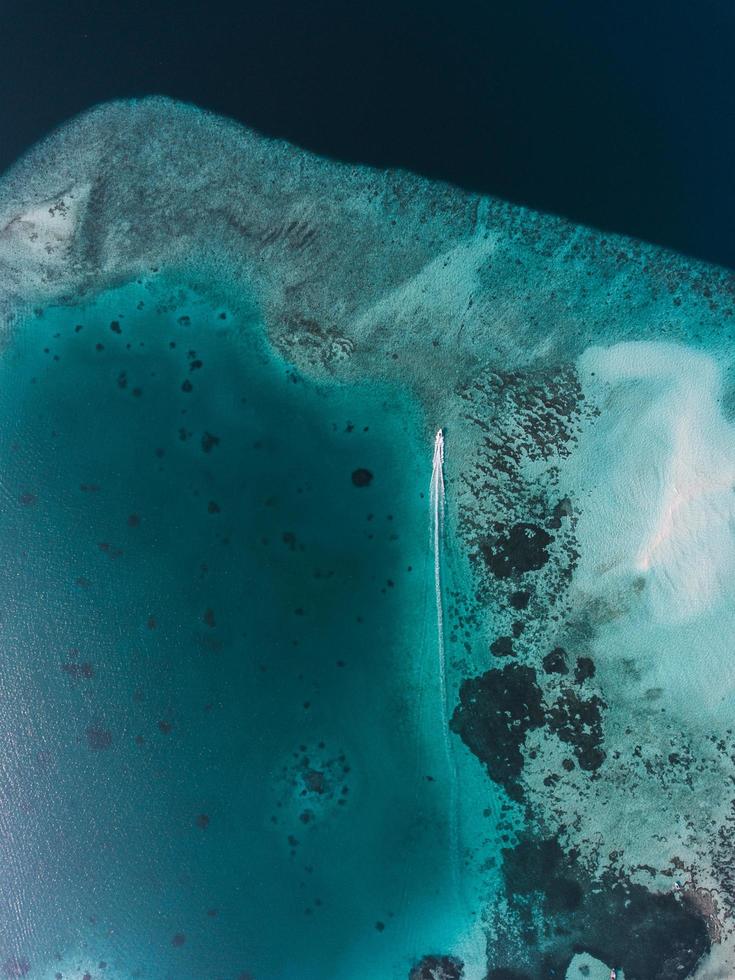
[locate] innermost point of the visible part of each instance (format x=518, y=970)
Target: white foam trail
x=436, y=498
x=437, y=520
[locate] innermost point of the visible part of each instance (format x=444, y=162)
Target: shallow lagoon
x=220, y=655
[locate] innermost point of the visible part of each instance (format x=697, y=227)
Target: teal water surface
x=220, y=700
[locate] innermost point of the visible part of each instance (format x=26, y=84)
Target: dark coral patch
x=78, y=671
x=556, y=662
x=520, y=599
x=493, y=715
x=434, y=967
x=98, y=739
x=209, y=441
x=649, y=936
x=579, y=723
x=362, y=477
x=522, y=548
x=502, y=647
x=562, y=509
x=584, y=670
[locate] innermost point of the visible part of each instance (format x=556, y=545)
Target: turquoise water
x=220, y=698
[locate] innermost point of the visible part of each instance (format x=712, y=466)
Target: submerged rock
x=650, y=936
x=435, y=967
x=493, y=715
x=523, y=548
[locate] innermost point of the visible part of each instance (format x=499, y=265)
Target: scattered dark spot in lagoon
x=78, y=671
x=362, y=477
x=209, y=441
x=98, y=739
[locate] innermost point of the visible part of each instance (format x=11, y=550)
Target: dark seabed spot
x=650, y=936
x=362, y=477
x=584, y=670
x=556, y=662
x=522, y=548
x=435, y=967
x=78, y=671
x=579, y=723
x=209, y=441
x=502, y=647
x=493, y=715
x=98, y=738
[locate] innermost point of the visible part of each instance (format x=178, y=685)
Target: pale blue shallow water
x=219, y=699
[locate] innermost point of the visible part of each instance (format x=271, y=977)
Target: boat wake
x=436, y=498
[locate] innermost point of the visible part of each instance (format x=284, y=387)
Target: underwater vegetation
x=284, y=694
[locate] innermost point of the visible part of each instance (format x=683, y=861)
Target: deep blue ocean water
x=616, y=115
x=218, y=655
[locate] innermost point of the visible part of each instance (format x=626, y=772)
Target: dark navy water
x=618, y=115
x=222, y=750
